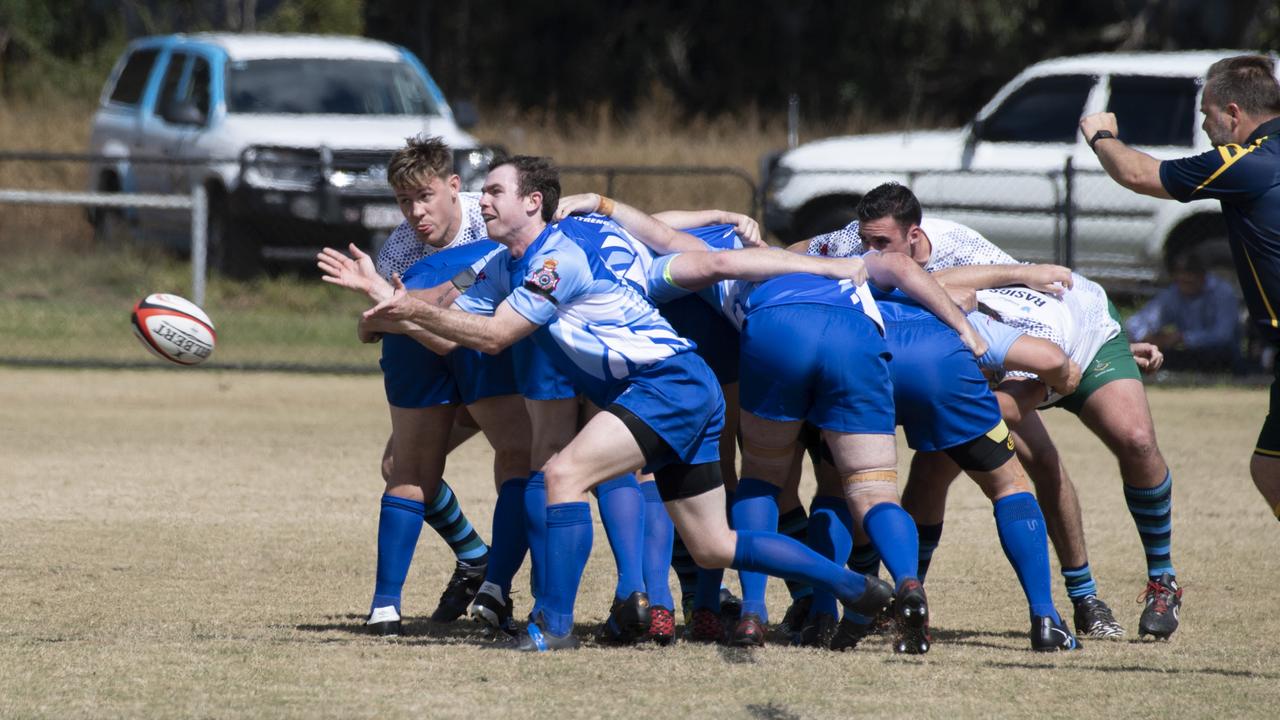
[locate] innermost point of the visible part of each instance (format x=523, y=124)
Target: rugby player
x=424, y=392
x=1110, y=401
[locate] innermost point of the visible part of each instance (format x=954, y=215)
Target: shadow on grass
x=1138, y=669
x=415, y=630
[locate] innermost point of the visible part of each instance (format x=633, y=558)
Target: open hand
x=354, y=273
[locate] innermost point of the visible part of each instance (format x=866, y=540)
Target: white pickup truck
x=289, y=134
x=1004, y=174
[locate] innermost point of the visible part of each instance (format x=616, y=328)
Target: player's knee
x=711, y=551
x=388, y=464
x=511, y=462
x=561, y=476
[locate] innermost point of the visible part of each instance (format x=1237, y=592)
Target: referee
x=1241, y=106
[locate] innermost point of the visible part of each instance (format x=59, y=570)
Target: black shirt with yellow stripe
x=1246, y=178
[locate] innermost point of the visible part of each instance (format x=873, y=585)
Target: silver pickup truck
x=1021, y=174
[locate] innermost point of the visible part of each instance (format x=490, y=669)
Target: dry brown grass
x=653, y=135
x=202, y=543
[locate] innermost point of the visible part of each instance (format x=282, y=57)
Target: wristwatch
x=1100, y=135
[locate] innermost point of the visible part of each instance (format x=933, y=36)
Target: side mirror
x=465, y=114
x=184, y=113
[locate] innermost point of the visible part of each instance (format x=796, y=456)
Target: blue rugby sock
x=686, y=570
x=535, y=525
x=1152, y=511
x=445, y=516
x=893, y=532
x=399, y=525
x=659, y=533
x=1022, y=536
x=794, y=523
x=510, y=540
x=622, y=514
x=706, y=595
x=755, y=507
x=930, y=536
x=831, y=536
x=568, y=547
x=780, y=556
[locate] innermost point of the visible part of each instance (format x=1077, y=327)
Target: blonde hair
x=421, y=159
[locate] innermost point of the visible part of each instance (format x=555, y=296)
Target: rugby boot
x=874, y=598
x=662, y=625
x=707, y=626
x=730, y=605
x=1049, y=635
x=850, y=632
x=458, y=594
x=911, y=617
x=535, y=639
x=794, y=621
x=748, y=632
x=818, y=631
x=1094, y=619
x=384, y=621
x=492, y=612
x=1163, y=599
x=628, y=621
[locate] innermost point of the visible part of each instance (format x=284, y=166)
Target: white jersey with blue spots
x=601, y=327
x=403, y=249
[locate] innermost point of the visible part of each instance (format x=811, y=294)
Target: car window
x=1044, y=110
x=169, y=84
x=185, y=83
x=307, y=86
x=1154, y=110
x=133, y=78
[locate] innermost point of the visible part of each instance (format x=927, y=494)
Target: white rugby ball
x=174, y=328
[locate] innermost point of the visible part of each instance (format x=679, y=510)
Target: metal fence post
x=199, y=241
x=1069, y=210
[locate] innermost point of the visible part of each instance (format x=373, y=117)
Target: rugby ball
x=174, y=328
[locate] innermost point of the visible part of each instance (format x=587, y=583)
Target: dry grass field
x=201, y=543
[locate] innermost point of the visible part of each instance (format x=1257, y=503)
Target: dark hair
x=1246, y=80
x=421, y=159
x=1187, y=262
x=890, y=199
x=535, y=175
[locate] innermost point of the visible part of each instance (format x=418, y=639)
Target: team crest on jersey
x=545, y=279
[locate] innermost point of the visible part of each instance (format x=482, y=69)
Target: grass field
x=201, y=544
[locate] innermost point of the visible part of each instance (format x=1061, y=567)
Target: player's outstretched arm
x=1131, y=168
x=696, y=270
x=657, y=235
x=484, y=333
x=1044, y=358
x=1052, y=279
x=897, y=270
x=747, y=228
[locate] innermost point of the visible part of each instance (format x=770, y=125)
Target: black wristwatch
x=1100, y=135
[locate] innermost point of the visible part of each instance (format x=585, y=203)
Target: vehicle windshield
x=310, y=86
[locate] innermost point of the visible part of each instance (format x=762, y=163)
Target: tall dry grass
x=657, y=133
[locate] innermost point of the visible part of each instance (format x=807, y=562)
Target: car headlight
x=281, y=169
x=472, y=165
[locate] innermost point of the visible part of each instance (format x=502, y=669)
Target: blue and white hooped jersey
x=602, y=328
x=631, y=260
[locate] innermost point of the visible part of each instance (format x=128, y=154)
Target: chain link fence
x=86, y=237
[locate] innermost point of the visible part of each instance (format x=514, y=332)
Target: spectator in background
x=1195, y=321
